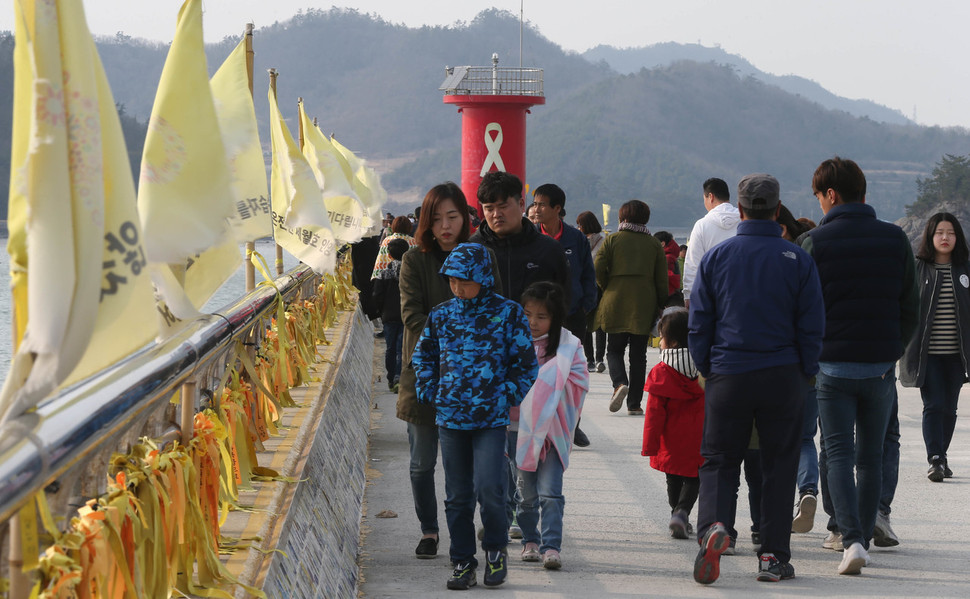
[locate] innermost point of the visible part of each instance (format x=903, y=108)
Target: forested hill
x=606, y=137
x=630, y=60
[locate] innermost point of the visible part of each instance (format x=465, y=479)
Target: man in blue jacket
x=756, y=324
x=550, y=205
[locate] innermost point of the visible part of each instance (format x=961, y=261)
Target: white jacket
x=717, y=225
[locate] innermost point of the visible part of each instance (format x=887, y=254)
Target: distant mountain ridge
x=605, y=136
x=630, y=60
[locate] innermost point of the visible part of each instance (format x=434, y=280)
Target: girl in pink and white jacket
x=547, y=420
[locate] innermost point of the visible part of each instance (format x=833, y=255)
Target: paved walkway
x=616, y=541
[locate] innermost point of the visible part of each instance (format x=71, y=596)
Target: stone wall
x=320, y=534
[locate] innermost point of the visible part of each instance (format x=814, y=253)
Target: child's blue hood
x=470, y=261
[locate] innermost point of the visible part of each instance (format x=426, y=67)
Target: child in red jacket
x=674, y=423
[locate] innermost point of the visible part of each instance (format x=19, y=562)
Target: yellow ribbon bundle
x=160, y=520
x=157, y=525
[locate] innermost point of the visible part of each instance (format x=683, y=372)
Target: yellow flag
x=237, y=121
x=367, y=185
x=606, y=215
x=344, y=209
x=185, y=194
x=80, y=272
x=300, y=222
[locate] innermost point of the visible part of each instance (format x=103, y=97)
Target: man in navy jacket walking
x=550, y=204
x=756, y=324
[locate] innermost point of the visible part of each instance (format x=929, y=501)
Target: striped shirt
x=944, y=336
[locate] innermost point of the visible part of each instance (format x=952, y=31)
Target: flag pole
x=279, y=249
x=20, y=582
x=250, y=245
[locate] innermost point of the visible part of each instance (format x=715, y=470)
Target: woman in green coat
x=631, y=270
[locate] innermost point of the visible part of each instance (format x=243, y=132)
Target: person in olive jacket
x=444, y=224
x=631, y=269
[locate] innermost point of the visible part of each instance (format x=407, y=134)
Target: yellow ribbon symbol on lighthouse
x=492, y=145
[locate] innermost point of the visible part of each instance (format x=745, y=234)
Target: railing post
x=273, y=74
x=187, y=421
x=19, y=582
x=250, y=245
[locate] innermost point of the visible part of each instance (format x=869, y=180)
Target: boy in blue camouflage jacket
x=474, y=361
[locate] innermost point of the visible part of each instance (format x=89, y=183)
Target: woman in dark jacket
x=443, y=225
x=936, y=358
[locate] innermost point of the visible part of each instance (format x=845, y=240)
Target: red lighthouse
x=493, y=102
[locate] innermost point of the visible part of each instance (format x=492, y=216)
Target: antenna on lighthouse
x=521, y=13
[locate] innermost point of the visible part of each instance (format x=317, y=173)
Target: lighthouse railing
x=131, y=398
x=505, y=81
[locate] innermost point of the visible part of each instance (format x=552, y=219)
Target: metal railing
x=95, y=414
x=493, y=80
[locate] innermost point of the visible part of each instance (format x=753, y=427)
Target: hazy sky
x=911, y=56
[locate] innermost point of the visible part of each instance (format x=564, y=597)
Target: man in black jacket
x=871, y=309
x=524, y=255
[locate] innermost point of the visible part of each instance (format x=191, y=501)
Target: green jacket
x=422, y=288
x=632, y=272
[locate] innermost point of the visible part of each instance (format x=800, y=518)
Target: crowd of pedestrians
x=771, y=330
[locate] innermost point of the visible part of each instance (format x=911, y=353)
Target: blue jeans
x=808, y=461
x=890, y=468
x=940, y=392
x=512, y=491
x=855, y=416
x=394, y=340
x=890, y=458
x=475, y=469
x=423, y=443
x=541, y=493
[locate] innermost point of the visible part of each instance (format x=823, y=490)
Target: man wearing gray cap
x=756, y=324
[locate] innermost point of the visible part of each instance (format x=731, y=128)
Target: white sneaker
x=854, y=559
x=619, y=394
x=833, y=541
x=804, y=520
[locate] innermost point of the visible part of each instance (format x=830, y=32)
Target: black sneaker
x=707, y=564
x=427, y=548
x=772, y=570
x=495, y=569
x=936, y=472
x=463, y=578
x=947, y=473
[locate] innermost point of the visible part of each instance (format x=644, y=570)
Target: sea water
x=231, y=290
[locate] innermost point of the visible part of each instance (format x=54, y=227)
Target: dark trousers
x=752, y=476
x=615, y=347
x=475, y=471
x=854, y=416
x=394, y=341
x=940, y=392
x=576, y=324
x=890, y=468
x=594, y=344
x=682, y=492
x=772, y=399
